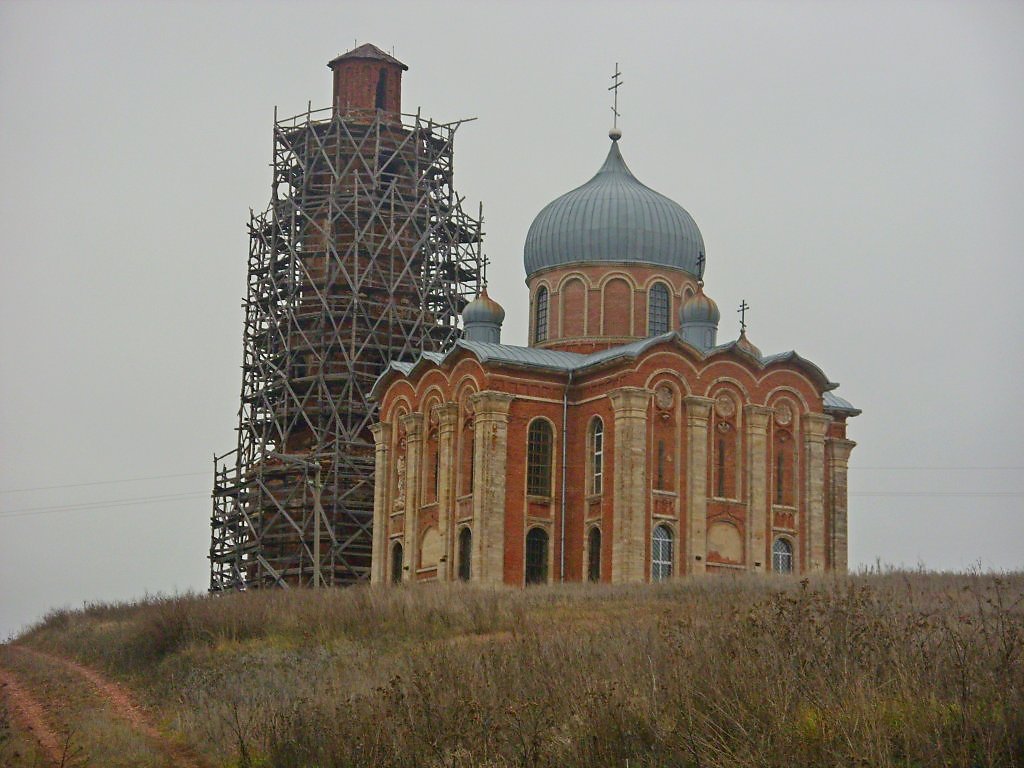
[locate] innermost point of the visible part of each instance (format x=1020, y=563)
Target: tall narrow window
x=432, y=464
x=537, y=556
x=540, y=327
x=661, y=553
x=660, y=482
x=538, y=458
x=594, y=554
x=780, y=466
x=657, y=310
x=466, y=459
x=396, y=563
x=721, y=469
x=782, y=556
x=465, y=553
x=382, y=89
x=437, y=475
x=596, y=455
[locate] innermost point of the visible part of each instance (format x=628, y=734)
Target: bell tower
x=367, y=79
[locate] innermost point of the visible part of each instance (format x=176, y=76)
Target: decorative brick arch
x=617, y=306
x=573, y=300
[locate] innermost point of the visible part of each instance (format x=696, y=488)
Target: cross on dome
x=615, y=134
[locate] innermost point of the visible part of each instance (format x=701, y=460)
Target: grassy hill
x=898, y=669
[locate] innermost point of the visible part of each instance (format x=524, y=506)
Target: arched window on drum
x=658, y=309
x=540, y=316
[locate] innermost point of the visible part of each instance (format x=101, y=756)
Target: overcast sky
x=857, y=171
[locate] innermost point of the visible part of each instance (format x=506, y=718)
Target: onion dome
x=482, y=319
x=699, y=308
x=698, y=320
x=745, y=344
x=614, y=218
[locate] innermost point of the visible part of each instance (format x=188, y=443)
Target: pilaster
x=838, y=459
x=447, y=419
x=381, y=501
x=629, y=484
x=758, y=519
x=814, y=426
x=698, y=413
x=490, y=462
x=412, y=424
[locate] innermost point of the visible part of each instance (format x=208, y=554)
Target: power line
x=103, y=482
x=141, y=500
x=942, y=469
x=957, y=494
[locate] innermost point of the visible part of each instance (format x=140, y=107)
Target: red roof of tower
x=367, y=51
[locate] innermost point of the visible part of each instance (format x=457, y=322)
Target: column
x=412, y=424
x=838, y=458
x=381, y=501
x=759, y=520
x=698, y=413
x=490, y=466
x=629, y=484
x=448, y=418
x=814, y=427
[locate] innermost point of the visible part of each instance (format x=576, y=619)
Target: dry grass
x=875, y=670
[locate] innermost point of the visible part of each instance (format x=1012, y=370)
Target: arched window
x=726, y=449
x=661, y=553
x=657, y=309
x=540, y=326
x=594, y=554
x=396, y=563
x=782, y=556
x=465, y=553
x=537, y=556
x=780, y=476
x=596, y=455
x=538, y=458
x=433, y=465
x=382, y=89
x=467, y=459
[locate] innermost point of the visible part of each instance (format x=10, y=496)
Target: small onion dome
x=745, y=344
x=483, y=309
x=699, y=308
x=482, y=319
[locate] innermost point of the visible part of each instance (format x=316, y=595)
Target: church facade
x=624, y=443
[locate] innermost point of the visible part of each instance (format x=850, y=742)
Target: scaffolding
x=364, y=255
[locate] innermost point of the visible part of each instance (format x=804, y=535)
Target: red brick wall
x=540, y=394
x=355, y=85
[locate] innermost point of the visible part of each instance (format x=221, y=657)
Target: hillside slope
x=880, y=670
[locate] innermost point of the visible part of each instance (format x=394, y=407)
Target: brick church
x=625, y=443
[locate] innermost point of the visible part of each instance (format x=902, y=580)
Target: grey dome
x=699, y=308
x=614, y=218
x=483, y=309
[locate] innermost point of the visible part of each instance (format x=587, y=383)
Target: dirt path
x=121, y=704
x=29, y=716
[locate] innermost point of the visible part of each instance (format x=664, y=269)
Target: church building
x=624, y=443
